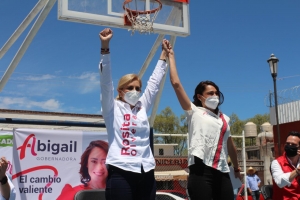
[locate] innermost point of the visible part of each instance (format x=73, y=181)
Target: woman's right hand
x=105, y=37
x=167, y=47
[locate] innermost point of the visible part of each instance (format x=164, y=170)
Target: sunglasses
x=137, y=88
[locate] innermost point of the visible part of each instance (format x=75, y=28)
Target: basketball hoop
x=141, y=21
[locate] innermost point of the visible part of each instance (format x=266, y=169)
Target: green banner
x=6, y=140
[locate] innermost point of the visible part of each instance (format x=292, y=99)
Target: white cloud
x=51, y=86
x=39, y=78
x=91, y=76
x=88, y=82
x=25, y=103
x=36, y=78
x=51, y=104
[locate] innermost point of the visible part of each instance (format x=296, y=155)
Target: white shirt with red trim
x=128, y=130
x=205, y=140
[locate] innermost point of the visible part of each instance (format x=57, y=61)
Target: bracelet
x=104, y=50
x=3, y=180
x=163, y=60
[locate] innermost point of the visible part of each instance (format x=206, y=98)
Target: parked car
x=167, y=196
x=179, y=193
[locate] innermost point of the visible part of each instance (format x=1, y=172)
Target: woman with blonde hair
x=130, y=160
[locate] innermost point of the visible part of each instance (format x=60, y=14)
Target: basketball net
x=141, y=21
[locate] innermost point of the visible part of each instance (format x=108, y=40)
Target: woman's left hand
x=237, y=175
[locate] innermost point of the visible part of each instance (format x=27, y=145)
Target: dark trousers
x=207, y=183
x=126, y=185
x=255, y=195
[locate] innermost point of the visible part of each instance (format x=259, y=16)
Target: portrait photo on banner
x=56, y=164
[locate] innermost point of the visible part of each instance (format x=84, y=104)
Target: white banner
x=55, y=164
x=6, y=147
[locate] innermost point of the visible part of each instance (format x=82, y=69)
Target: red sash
x=220, y=143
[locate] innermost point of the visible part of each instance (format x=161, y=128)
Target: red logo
x=27, y=144
x=9, y=167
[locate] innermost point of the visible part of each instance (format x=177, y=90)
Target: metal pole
x=245, y=167
x=37, y=8
x=157, y=42
x=38, y=23
x=156, y=103
x=276, y=110
x=156, y=45
x=266, y=144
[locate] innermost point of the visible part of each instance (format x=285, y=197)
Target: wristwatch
x=3, y=180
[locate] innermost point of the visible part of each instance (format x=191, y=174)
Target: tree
x=237, y=126
x=259, y=120
x=168, y=123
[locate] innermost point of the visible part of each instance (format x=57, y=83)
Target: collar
x=137, y=106
x=290, y=161
x=210, y=112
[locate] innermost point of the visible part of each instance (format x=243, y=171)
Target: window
x=161, y=152
x=253, y=155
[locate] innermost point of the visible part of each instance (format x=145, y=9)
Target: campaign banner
x=56, y=164
x=6, y=148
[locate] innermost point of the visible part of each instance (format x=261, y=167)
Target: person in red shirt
x=286, y=170
x=93, y=170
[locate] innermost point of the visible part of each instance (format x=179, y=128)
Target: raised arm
x=4, y=187
x=105, y=37
x=175, y=81
x=153, y=83
x=106, y=84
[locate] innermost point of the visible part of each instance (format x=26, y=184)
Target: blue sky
x=229, y=44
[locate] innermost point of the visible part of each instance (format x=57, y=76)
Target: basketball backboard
x=172, y=19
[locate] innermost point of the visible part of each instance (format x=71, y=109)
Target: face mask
x=290, y=150
x=132, y=97
x=212, y=102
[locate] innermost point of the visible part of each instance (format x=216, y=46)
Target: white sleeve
x=153, y=84
x=280, y=178
x=106, y=85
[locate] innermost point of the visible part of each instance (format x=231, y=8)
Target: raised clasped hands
x=167, y=47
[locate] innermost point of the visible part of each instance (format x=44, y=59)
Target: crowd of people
x=125, y=165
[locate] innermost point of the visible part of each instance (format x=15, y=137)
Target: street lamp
x=273, y=67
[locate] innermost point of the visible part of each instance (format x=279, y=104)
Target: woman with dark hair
x=209, y=139
x=93, y=170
